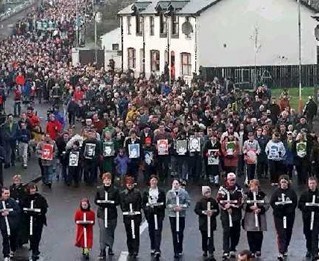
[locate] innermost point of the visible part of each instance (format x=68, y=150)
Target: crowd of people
x=203, y=132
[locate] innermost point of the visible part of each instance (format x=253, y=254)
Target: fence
x=283, y=76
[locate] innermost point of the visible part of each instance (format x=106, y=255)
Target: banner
x=194, y=144
x=47, y=152
x=213, y=157
x=74, y=159
x=162, y=147
x=181, y=147
x=89, y=150
x=134, y=151
x=108, y=149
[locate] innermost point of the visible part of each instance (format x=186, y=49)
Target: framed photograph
x=194, y=144
x=181, y=147
x=134, y=151
x=108, y=149
x=74, y=159
x=213, y=157
x=148, y=157
x=162, y=147
x=47, y=152
x=89, y=150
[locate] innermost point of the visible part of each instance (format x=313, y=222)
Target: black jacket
x=13, y=217
x=18, y=193
x=201, y=206
x=283, y=210
x=250, y=196
x=306, y=197
x=159, y=210
x=39, y=202
x=133, y=197
x=114, y=195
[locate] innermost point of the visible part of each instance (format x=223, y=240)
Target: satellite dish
x=317, y=32
x=187, y=28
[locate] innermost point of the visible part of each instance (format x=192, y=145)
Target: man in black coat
x=309, y=205
x=107, y=198
x=131, y=205
x=154, y=209
x=310, y=110
x=207, y=207
x=34, y=207
x=9, y=221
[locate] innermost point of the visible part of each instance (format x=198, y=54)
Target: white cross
x=255, y=201
x=84, y=222
x=5, y=209
x=132, y=213
x=312, y=204
x=105, y=201
x=283, y=202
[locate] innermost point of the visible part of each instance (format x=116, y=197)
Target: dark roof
x=313, y=4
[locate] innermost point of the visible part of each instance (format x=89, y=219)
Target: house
x=187, y=34
x=111, y=44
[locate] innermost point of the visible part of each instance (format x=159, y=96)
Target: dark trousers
x=182, y=167
x=132, y=168
x=71, y=116
x=155, y=235
x=311, y=237
x=17, y=108
x=289, y=169
x=74, y=174
x=284, y=235
x=36, y=238
x=255, y=240
x=262, y=168
x=1, y=172
x=163, y=166
x=178, y=237
x=241, y=164
x=90, y=172
x=275, y=170
x=133, y=245
x=231, y=236
x=251, y=168
x=195, y=167
x=302, y=168
x=107, y=234
x=9, y=242
x=208, y=243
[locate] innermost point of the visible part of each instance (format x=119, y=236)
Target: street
x=58, y=237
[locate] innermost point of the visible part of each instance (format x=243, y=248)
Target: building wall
x=110, y=38
x=155, y=42
x=230, y=38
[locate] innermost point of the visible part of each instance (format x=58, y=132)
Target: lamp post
x=299, y=42
x=97, y=19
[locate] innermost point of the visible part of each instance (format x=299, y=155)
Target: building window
x=129, y=25
x=175, y=26
x=155, y=60
x=186, y=64
x=151, y=25
x=163, y=26
x=131, y=58
x=115, y=47
x=139, y=24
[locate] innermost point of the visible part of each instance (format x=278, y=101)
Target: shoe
x=102, y=254
x=232, y=254
x=258, y=254
x=157, y=254
x=49, y=185
x=25, y=166
x=205, y=254
x=176, y=255
x=110, y=252
x=135, y=255
x=280, y=257
x=180, y=254
x=211, y=257
x=152, y=252
x=11, y=254
x=226, y=256
x=286, y=254
x=6, y=259
x=316, y=258
x=6, y=166
x=308, y=254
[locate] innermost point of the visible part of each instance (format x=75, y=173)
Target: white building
x=111, y=43
x=215, y=33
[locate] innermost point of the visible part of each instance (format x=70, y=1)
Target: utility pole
x=299, y=38
x=77, y=23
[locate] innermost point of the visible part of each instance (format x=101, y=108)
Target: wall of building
x=230, y=38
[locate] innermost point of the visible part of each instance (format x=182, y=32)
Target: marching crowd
x=201, y=132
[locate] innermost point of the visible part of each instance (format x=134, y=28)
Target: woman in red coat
x=85, y=219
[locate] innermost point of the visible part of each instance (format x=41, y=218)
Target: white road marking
x=124, y=254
